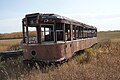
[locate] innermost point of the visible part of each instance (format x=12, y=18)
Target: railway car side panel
x=44, y=52
x=83, y=44
x=68, y=49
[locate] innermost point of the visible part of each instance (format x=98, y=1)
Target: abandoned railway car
x=56, y=37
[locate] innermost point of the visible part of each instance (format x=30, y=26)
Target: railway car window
x=59, y=26
x=32, y=36
x=95, y=32
x=74, y=32
x=68, y=32
x=77, y=32
x=83, y=33
x=59, y=31
x=80, y=32
x=47, y=33
x=90, y=33
x=86, y=31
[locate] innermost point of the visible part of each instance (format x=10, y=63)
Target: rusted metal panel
x=44, y=52
x=68, y=49
x=56, y=51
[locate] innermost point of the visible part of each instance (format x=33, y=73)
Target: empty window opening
x=31, y=35
x=74, y=32
x=68, y=32
x=47, y=33
x=59, y=31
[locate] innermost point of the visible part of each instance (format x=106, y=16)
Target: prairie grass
x=100, y=62
x=7, y=44
x=109, y=35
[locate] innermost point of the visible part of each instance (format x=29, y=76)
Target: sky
x=103, y=14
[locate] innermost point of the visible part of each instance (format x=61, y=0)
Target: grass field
x=8, y=44
x=101, y=62
x=110, y=35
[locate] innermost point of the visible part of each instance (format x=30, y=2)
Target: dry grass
x=110, y=35
x=7, y=44
x=15, y=35
x=101, y=62
x=98, y=63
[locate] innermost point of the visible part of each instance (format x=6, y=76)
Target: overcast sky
x=104, y=14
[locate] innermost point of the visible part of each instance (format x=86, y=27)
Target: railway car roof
x=56, y=16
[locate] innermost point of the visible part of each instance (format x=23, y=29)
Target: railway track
x=10, y=54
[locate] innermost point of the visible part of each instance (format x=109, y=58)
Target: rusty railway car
x=56, y=37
